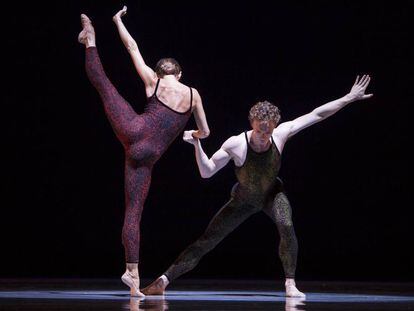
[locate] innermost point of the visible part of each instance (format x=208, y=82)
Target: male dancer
x=256, y=154
x=145, y=137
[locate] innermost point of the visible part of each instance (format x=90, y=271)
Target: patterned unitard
x=258, y=189
x=145, y=137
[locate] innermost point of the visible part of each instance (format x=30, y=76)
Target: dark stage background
x=347, y=177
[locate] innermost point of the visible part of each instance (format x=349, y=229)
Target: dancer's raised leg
x=281, y=213
x=118, y=111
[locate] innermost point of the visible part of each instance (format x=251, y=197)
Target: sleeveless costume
x=145, y=137
x=258, y=189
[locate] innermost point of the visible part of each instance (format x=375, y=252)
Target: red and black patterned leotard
x=145, y=138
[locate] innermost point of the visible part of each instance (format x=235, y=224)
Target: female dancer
x=145, y=137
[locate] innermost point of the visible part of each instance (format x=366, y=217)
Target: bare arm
x=147, y=75
x=208, y=167
x=290, y=128
x=200, y=117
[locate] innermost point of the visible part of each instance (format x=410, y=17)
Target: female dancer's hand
x=117, y=16
x=189, y=138
x=358, y=89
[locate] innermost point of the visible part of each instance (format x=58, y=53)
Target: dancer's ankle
x=90, y=44
x=165, y=280
x=132, y=268
x=290, y=282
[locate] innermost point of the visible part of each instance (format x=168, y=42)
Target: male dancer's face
x=262, y=130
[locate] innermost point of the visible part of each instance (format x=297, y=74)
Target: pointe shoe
x=85, y=20
x=129, y=281
x=87, y=35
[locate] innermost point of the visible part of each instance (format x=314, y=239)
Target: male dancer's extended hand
x=358, y=89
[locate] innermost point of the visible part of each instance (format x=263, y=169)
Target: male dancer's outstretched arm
x=231, y=148
x=287, y=129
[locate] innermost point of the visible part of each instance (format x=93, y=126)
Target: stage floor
x=99, y=294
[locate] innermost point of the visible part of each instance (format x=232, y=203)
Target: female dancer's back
x=154, y=130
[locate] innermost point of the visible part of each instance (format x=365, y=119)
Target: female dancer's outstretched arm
x=147, y=75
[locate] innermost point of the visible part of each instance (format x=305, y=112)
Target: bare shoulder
x=281, y=134
x=233, y=142
x=196, y=95
x=195, y=91
x=236, y=147
x=196, y=100
x=282, y=129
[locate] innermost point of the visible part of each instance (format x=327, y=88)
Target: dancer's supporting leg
x=137, y=179
x=230, y=216
x=137, y=183
x=281, y=213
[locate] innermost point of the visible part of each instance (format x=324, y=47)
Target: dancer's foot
x=157, y=287
x=117, y=17
x=87, y=35
x=291, y=290
x=132, y=281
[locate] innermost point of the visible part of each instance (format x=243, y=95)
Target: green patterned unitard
x=258, y=189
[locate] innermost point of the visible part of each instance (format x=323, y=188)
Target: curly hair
x=167, y=66
x=264, y=111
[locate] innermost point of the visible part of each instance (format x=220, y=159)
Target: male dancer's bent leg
x=280, y=211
